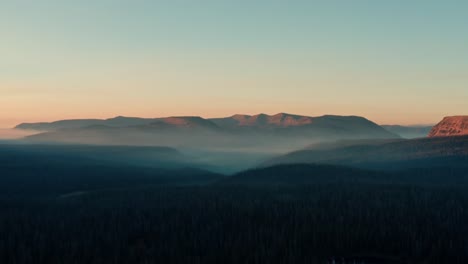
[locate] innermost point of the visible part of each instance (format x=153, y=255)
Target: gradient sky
x=396, y=61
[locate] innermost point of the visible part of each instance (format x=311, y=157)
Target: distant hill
x=117, y=122
x=327, y=125
x=409, y=131
x=56, y=125
x=264, y=121
x=450, y=126
x=385, y=154
x=187, y=122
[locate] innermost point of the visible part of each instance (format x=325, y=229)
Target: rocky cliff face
x=451, y=126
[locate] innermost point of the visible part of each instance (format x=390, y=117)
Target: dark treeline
x=37, y=170
x=75, y=209
x=239, y=224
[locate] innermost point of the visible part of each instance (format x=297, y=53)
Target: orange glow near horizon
x=215, y=59
x=46, y=102
x=32, y=113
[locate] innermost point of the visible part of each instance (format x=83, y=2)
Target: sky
x=394, y=62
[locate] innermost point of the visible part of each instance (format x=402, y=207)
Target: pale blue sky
x=391, y=61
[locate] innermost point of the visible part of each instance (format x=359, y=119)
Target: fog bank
x=6, y=133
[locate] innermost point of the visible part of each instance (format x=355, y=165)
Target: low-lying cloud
x=15, y=133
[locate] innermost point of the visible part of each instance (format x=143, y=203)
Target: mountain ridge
x=276, y=120
x=279, y=131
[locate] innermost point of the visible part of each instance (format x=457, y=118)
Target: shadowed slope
x=300, y=174
x=62, y=169
x=428, y=152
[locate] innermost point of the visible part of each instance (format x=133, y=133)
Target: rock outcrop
x=450, y=126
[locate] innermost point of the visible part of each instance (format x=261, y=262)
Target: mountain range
x=260, y=121
x=280, y=130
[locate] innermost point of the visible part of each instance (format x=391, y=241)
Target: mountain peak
x=186, y=122
x=239, y=116
x=122, y=118
x=289, y=114
x=287, y=120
